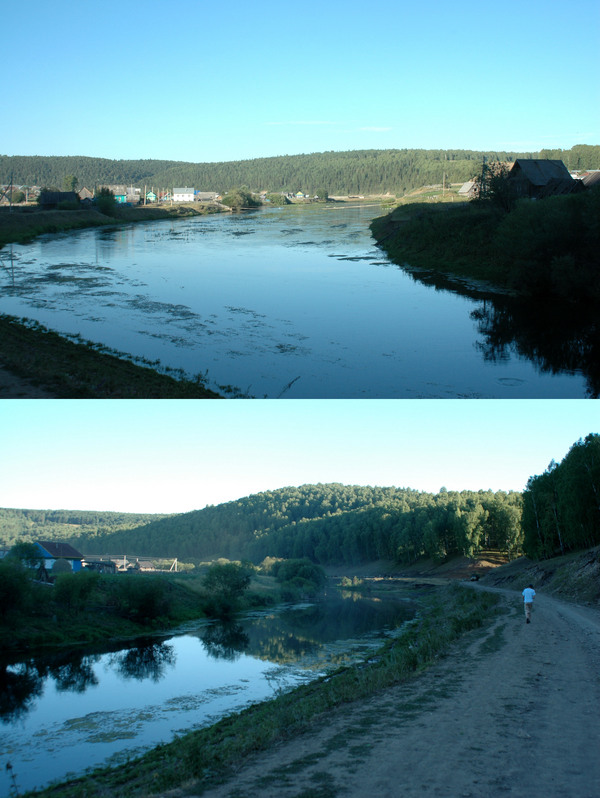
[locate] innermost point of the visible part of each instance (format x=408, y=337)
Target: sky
x=162, y=456
x=202, y=81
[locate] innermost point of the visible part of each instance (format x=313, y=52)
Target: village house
x=50, y=200
x=124, y=194
x=58, y=558
x=537, y=178
x=206, y=196
x=183, y=194
x=85, y=194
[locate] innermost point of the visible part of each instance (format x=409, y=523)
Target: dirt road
x=514, y=710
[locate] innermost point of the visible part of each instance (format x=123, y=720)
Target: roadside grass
x=210, y=755
x=78, y=369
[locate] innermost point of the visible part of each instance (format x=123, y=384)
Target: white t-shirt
x=528, y=595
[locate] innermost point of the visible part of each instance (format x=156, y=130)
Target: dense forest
x=352, y=172
x=31, y=525
x=330, y=524
x=561, y=507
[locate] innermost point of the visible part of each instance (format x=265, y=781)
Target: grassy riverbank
x=544, y=248
x=206, y=756
x=22, y=224
x=77, y=369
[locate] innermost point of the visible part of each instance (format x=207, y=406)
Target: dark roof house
x=52, y=553
x=50, y=200
x=539, y=177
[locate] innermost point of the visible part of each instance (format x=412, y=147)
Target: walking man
x=528, y=595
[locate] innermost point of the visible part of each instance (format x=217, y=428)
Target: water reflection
x=149, y=661
x=18, y=688
x=557, y=337
x=225, y=641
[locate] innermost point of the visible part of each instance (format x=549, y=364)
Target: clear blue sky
x=175, y=456
x=205, y=81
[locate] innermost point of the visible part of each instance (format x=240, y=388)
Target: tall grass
x=209, y=754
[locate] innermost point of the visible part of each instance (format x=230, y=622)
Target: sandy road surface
x=514, y=710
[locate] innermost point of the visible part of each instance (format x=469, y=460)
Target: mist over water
x=296, y=302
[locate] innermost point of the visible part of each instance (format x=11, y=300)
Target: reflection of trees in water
x=149, y=661
x=72, y=673
x=225, y=640
x=557, y=338
x=18, y=687
x=296, y=633
x=20, y=684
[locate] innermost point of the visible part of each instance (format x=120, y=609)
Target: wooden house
x=101, y=565
x=63, y=553
x=50, y=200
x=538, y=177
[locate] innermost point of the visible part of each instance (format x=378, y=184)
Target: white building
x=183, y=195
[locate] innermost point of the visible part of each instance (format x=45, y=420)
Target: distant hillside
x=330, y=524
x=353, y=172
x=29, y=525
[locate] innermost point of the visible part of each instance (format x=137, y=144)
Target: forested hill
x=30, y=525
x=352, y=172
x=336, y=524
x=331, y=524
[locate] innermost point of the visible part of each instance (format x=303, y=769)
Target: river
x=70, y=711
x=295, y=302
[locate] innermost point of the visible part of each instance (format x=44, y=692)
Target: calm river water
x=295, y=302
x=68, y=712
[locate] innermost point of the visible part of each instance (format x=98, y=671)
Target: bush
x=141, y=598
x=298, y=578
x=74, y=590
x=240, y=198
x=15, y=587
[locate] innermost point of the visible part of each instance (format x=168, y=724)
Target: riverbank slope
x=538, y=249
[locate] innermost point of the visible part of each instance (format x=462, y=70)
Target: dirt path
x=13, y=387
x=512, y=711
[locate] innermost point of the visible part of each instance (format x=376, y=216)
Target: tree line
x=331, y=524
x=561, y=507
x=351, y=172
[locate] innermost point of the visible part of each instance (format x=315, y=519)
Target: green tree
x=15, y=588
x=493, y=185
x=225, y=585
x=70, y=183
x=27, y=552
x=106, y=202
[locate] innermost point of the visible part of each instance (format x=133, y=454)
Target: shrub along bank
x=547, y=247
